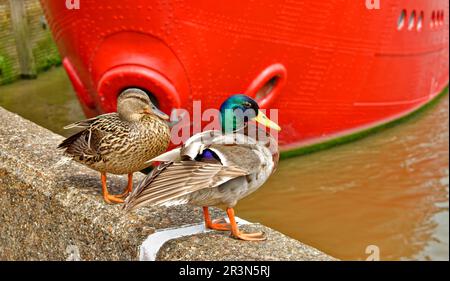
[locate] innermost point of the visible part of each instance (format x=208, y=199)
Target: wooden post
x=23, y=40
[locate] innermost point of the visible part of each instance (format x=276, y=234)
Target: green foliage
x=6, y=70
x=46, y=54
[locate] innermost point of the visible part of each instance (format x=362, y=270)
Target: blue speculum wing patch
x=207, y=156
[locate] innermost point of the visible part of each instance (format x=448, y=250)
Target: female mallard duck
x=215, y=167
x=121, y=142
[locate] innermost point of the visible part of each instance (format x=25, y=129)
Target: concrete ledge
x=51, y=209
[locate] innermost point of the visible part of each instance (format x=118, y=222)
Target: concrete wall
x=52, y=209
x=43, y=48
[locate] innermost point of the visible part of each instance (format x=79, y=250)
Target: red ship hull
x=330, y=67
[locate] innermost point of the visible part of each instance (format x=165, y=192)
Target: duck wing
x=170, y=181
x=213, y=165
x=88, y=142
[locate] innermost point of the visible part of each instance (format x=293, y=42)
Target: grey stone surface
x=220, y=246
x=48, y=206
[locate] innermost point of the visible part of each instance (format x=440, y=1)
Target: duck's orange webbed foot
x=218, y=224
x=257, y=236
x=110, y=199
x=123, y=195
x=235, y=232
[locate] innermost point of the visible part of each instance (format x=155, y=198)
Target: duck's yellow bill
x=262, y=119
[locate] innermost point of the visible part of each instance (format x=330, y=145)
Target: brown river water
x=389, y=190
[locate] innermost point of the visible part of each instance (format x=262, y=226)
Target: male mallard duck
x=215, y=167
x=121, y=142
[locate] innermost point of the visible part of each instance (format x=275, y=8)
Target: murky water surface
x=48, y=101
x=390, y=190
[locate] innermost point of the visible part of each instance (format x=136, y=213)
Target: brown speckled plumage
x=120, y=142
x=110, y=144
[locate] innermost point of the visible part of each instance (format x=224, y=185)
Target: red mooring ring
x=277, y=71
x=121, y=77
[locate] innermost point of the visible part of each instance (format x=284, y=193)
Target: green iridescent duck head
x=238, y=110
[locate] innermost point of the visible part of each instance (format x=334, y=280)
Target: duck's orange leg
x=216, y=225
x=106, y=196
x=257, y=236
x=129, y=186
